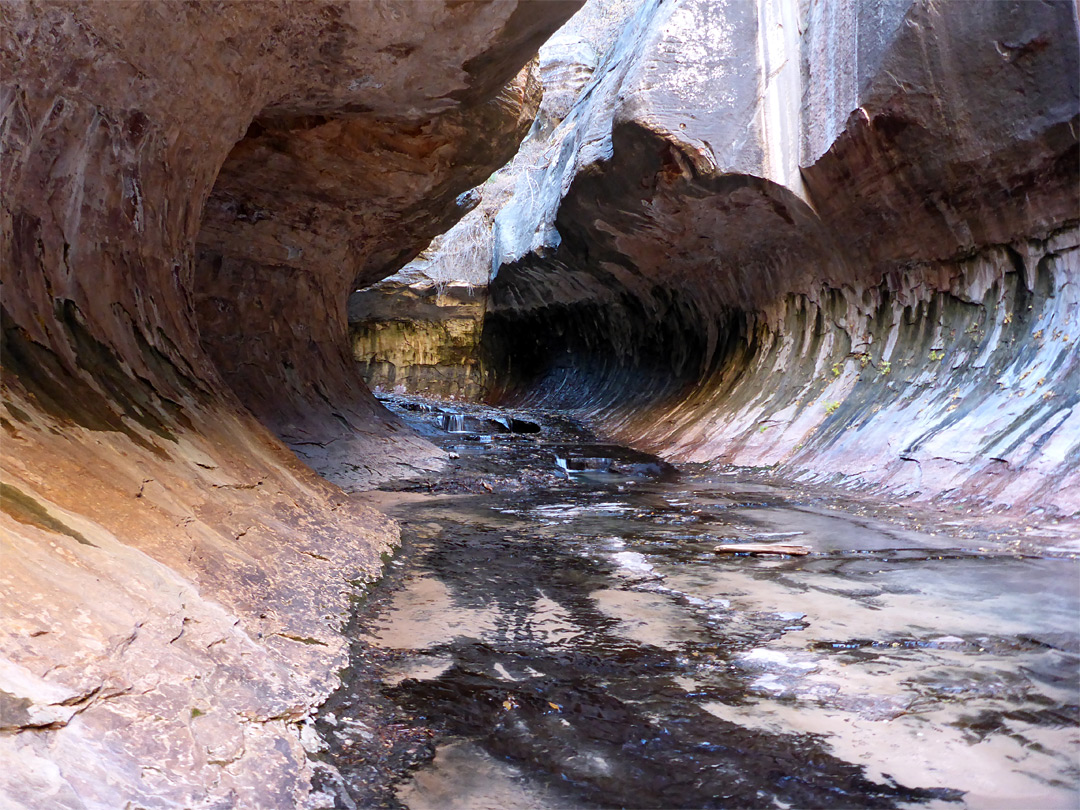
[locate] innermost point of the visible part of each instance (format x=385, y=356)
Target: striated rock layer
x=420, y=338
x=173, y=580
x=836, y=238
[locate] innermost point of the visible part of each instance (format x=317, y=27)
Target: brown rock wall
x=174, y=580
x=305, y=211
x=420, y=338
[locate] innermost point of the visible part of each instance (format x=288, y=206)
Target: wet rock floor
x=558, y=632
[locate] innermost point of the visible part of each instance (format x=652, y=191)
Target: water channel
x=558, y=631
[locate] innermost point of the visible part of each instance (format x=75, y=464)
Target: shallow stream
x=560, y=627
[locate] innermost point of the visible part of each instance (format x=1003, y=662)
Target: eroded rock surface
x=836, y=238
x=174, y=580
x=839, y=239
x=306, y=210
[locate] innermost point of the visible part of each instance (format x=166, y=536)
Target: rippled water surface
x=574, y=641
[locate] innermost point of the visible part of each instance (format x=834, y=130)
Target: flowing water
x=561, y=626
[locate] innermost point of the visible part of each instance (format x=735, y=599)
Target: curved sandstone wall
x=836, y=238
x=173, y=580
x=304, y=211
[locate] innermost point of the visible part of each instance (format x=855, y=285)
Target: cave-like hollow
x=883, y=299
x=189, y=193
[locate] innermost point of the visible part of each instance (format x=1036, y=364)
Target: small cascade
x=455, y=423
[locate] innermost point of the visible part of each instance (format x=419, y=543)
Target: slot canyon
x=540, y=404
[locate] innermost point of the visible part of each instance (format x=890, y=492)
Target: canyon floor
x=558, y=631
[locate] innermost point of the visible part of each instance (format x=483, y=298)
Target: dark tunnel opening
x=617, y=349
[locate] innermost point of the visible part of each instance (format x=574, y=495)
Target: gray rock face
x=174, y=580
x=838, y=238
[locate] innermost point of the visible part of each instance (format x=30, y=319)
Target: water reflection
x=580, y=644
